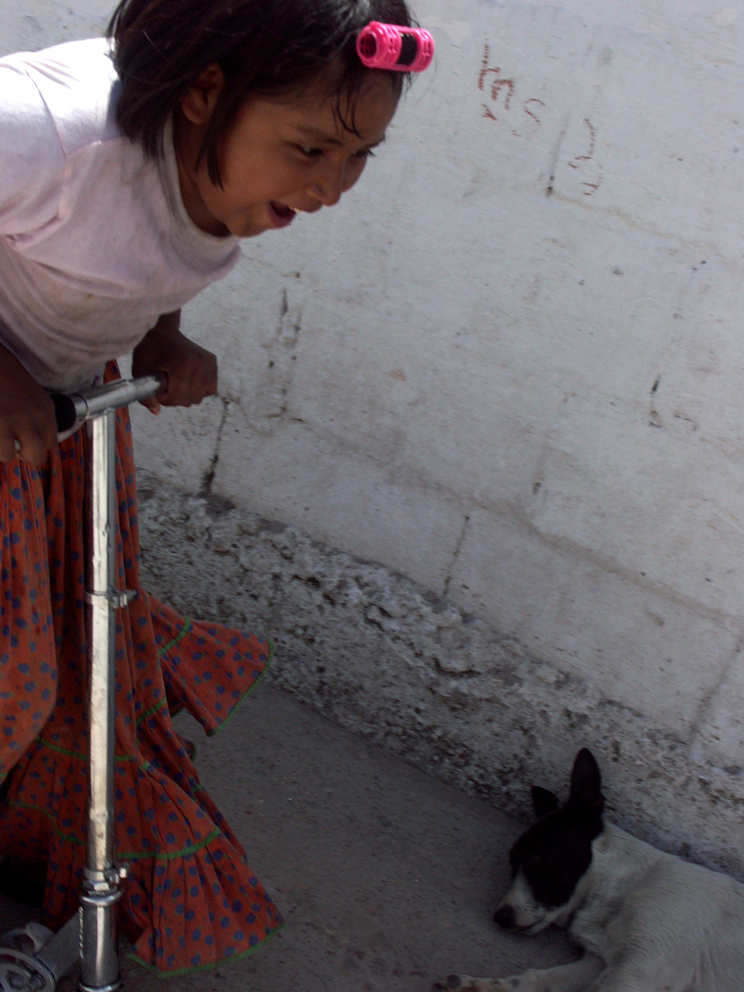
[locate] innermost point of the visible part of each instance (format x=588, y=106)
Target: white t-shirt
x=95, y=242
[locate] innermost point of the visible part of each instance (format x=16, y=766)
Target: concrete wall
x=491, y=407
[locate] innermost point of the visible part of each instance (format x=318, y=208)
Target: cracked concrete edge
x=269, y=413
x=411, y=671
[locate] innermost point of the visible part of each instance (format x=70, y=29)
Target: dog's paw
x=464, y=983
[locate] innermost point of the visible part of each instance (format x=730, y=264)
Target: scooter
x=33, y=959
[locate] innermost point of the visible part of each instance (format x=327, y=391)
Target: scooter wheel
x=20, y=972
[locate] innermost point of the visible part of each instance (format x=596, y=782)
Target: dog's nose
x=504, y=916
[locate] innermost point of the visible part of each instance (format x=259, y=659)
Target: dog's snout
x=505, y=917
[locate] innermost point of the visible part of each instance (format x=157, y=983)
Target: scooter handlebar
x=73, y=409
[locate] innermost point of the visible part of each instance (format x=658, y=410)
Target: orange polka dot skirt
x=190, y=901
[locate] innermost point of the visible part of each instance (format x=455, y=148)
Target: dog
x=647, y=921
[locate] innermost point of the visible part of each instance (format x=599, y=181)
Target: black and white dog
x=648, y=921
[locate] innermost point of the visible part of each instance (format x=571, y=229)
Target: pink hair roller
x=389, y=46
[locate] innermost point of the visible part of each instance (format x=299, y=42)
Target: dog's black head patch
x=556, y=851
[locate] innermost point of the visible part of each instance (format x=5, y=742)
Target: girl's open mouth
x=281, y=215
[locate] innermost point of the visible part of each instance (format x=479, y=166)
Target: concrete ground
x=387, y=878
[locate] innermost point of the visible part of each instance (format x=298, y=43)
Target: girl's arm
x=26, y=413
x=191, y=369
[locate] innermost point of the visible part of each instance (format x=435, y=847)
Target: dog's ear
x=586, y=783
x=544, y=802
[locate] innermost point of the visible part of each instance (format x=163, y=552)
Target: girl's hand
x=26, y=414
x=191, y=369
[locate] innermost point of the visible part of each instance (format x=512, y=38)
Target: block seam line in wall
x=706, y=702
x=208, y=478
x=456, y=554
x=563, y=544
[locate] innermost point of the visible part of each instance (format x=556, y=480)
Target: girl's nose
x=329, y=187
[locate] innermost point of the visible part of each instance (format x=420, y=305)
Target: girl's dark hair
x=264, y=47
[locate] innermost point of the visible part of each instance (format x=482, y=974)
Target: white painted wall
x=510, y=364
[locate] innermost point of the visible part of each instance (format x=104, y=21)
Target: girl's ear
x=201, y=97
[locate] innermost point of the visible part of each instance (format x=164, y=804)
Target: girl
x=129, y=169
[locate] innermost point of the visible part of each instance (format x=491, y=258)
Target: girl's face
x=281, y=156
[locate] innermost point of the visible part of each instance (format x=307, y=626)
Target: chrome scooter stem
x=99, y=960
x=101, y=890
x=33, y=959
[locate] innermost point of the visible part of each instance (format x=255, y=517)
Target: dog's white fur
x=649, y=922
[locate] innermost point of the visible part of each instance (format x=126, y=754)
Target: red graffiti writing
x=501, y=91
x=589, y=188
x=529, y=113
x=498, y=83
x=574, y=163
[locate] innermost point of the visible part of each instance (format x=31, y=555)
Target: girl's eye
x=307, y=151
